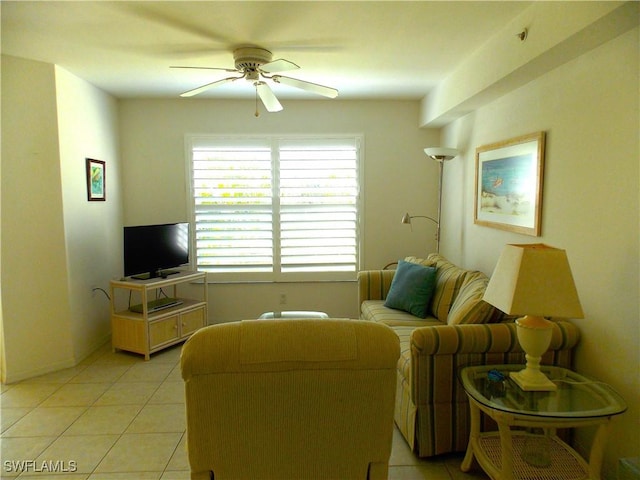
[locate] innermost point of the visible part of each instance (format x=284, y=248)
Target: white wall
x=398, y=178
x=35, y=294
x=87, y=127
x=55, y=244
x=589, y=108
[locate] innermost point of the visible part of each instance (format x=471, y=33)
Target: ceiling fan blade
x=154, y=13
x=201, y=89
x=207, y=68
x=308, y=86
x=280, y=65
x=269, y=100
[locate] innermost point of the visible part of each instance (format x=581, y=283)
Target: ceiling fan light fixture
x=252, y=75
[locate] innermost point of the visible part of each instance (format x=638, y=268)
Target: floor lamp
x=440, y=155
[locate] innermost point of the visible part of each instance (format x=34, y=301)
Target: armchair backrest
x=275, y=399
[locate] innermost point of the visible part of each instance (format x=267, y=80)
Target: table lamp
x=533, y=280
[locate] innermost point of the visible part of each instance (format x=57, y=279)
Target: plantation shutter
x=232, y=194
x=279, y=209
x=318, y=205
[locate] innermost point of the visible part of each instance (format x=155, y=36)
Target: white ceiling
x=365, y=49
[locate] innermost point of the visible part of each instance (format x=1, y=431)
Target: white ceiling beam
x=557, y=32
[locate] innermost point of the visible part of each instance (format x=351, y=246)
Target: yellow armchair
x=273, y=399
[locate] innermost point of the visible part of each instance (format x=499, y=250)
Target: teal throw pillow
x=411, y=288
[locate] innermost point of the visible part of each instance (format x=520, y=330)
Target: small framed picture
x=96, y=176
x=509, y=178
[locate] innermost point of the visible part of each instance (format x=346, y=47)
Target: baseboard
x=49, y=368
x=91, y=349
x=61, y=365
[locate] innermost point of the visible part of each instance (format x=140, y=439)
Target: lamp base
x=533, y=383
x=534, y=336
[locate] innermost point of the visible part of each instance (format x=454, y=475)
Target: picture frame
x=508, y=184
x=96, y=180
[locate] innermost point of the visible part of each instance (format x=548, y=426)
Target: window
x=270, y=208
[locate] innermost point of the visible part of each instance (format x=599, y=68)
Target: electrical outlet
x=283, y=299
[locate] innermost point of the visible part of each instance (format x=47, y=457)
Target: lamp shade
x=534, y=279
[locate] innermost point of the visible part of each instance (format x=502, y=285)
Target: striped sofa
x=432, y=410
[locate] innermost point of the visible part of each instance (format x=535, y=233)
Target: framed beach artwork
x=508, y=192
x=96, y=175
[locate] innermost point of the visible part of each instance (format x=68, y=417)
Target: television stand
x=166, y=273
x=137, y=326
x=157, y=305
x=158, y=274
x=142, y=276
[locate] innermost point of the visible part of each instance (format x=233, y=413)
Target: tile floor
x=116, y=416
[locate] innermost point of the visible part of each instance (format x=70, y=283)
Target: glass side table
x=533, y=450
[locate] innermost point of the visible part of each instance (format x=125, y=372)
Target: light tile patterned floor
x=117, y=417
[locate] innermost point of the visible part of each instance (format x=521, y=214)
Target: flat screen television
x=149, y=250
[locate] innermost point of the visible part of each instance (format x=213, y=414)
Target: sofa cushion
x=375, y=311
x=468, y=306
x=421, y=261
x=449, y=279
x=411, y=288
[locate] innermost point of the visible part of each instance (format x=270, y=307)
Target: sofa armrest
x=438, y=353
x=374, y=285
x=441, y=419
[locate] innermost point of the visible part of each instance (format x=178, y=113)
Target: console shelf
x=148, y=331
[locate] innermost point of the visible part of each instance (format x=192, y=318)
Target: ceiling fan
x=255, y=64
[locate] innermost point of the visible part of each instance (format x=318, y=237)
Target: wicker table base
x=564, y=462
